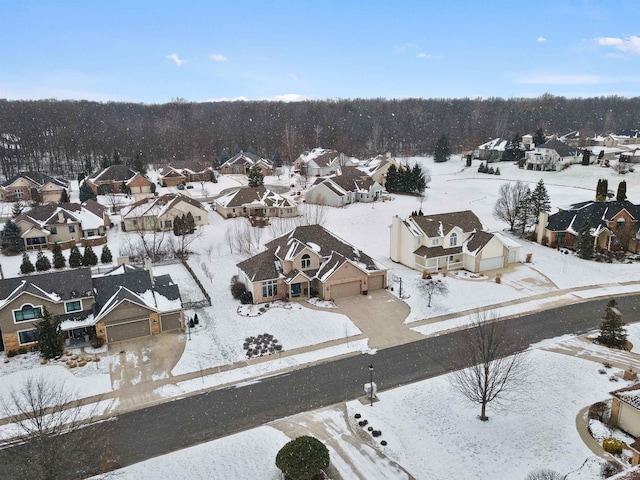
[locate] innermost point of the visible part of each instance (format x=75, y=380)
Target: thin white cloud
x=176, y=59
x=538, y=78
x=218, y=57
x=630, y=43
x=227, y=99
x=288, y=97
x=405, y=46
x=423, y=55
x=541, y=39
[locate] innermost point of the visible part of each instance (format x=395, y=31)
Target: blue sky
x=154, y=51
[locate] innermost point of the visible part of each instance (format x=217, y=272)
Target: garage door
x=345, y=290
x=628, y=419
x=376, y=283
x=170, y=322
x=491, y=263
x=125, y=331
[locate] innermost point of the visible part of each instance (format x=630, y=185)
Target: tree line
x=69, y=137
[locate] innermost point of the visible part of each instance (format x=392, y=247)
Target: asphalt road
x=170, y=426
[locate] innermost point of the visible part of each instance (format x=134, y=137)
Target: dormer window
x=306, y=261
x=453, y=239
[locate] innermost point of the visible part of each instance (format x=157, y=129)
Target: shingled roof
x=596, y=213
x=247, y=195
x=439, y=225
x=62, y=285
x=37, y=178
x=561, y=148
x=114, y=173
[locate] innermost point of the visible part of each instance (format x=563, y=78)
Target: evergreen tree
x=87, y=165
x=49, y=335
x=277, y=159
x=539, y=137
x=116, y=158
x=42, y=262
x=586, y=157
x=10, y=239
x=622, y=191
x=525, y=212
x=18, y=208
x=513, y=149
x=89, y=258
x=442, y=152
x=106, y=257
x=26, y=266
x=602, y=189
x=256, y=178
x=75, y=257
x=497, y=172
x=105, y=163
x=540, y=200
x=251, y=150
x=189, y=223
x=391, y=181
x=612, y=330
x=178, y=226
x=584, y=242
x=418, y=180
x=64, y=196
x=224, y=156
x=58, y=258
x=236, y=150
x=86, y=193
x=139, y=164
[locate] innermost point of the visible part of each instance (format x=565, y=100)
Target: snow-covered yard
x=451, y=443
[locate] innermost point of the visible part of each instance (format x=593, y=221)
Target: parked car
x=181, y=186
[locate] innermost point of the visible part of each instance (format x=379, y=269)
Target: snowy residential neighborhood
x=261, y=283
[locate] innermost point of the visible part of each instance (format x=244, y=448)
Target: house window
x=27, y=336
x=453, y=240
x=306, y=261
x=560, y=238
x=90, y=233
x=135, y=222
x=36, y=241
x=168, y=224
x=53, y=230
x=269, y=288
x=72, y=228
x=197, y=218
x=27, y=312
x=73, y=306
x=18, y=193
x=435, y=241
x=620, y=224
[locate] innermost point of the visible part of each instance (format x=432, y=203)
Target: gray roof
x=66, y=284
x=430, y=224
x=40, y=179
x=596, y=213
x=561, y=148
x=114, y=173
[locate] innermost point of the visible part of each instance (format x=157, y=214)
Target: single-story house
x=255, y=202
x=550, y=156
x=32, y=186
x=623, y=137
x=65, y=224
x=242, y=162
x=310, y=261
x=349, y=185
x=625, y=409
x=114, y=306
x=449, y=241
x=158, y=213
x=120, y=179
x=613, y=225
x=630, y=156
x=321, y=162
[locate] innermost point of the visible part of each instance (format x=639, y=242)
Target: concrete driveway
x=380, y=316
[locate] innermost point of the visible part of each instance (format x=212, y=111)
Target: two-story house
x=321, y=162
x=32, y=186
x=349, y=185
x=310, y=261
x=158, y=213
x=242, y=162
x=120, y=179
x=449, y=241
x=550, y=156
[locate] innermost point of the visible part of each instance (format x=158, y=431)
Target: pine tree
x=540, y=200
x=391, y=181
x=586, y=157
x=42, y=262
x=58, y=259
x=622, y=191
x=612, y=331
x=86, y=193
x=75, y=257
x=513, y=149
x=539, y=137
x=26, y=266
x=277, y=159
x=602, y=189
x=178, y=226
x=256, y=178
x=418, y=180
x=49, y=335
x=442, y=152
x=64, y=196
x=106, y=257
x=18, y=208
x=224, y=156
x=10, y=238
x=189, y=223
x=584, y=242
x=525, y=212
x=89, y=258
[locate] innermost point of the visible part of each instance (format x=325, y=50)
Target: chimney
x=60, y=216
x=147, y=267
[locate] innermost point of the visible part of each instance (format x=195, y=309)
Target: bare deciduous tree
x=433, y=286
x=242, y=237
x=313, y=214
x=545, y=474
x=511, y=197
x=493, y=365
x=50, y=437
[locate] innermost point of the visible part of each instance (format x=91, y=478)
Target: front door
x=295, y=290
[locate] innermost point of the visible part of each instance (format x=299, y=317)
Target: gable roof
x=266, y=265
x=630, y=395
x=439, y=225
x=350, y=179
x=158, y=206
x=57, y=286
x=255, y=195
x=242, y=158
x=114, y=173
x=561, y=148
x=319, y=156
x=596, y=213
x=37, y=178
x=89, y=215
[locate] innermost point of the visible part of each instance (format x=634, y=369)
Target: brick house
x=255, y=202
x=32, y=186
x=158, y=213
x=120, y=179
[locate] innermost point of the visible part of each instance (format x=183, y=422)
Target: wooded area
x=67, y=137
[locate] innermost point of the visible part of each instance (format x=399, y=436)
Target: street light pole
x=371, y=383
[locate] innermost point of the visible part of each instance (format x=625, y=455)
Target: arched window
x=306, y=261
x=27, y=312
x=453, y=239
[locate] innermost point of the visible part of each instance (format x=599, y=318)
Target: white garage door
x=342, y=290
x=125, y=331
x=491, y=263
